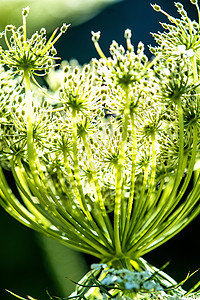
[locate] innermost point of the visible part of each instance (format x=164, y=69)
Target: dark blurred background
x=31, y=264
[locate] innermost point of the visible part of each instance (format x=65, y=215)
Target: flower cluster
x=106, y=283
x=103, y=159
x=182, y=38
x=129, y=280
x=34, y=55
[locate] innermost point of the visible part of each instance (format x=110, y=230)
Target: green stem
x=132, y=184
x=99, y=50
x=194, y=67
x=34, y=164
x=168, y=197
x=64, y=221
x=119, y=178
x=180, y=170
x=181, y=216
x=145, y=204
x=83, y=202
x=71, y=178
x=14, y=207
x=97, y=190
x=191, y=164
x=138, y=205
x=29, y=200
x=32, y=157
x=20, y=213
x=148, y=199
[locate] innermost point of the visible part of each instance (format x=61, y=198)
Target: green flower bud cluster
x=34, y=55
x=103, y=158
x=181, y=39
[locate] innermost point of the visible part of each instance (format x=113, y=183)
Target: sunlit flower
x=35, y=55
x=104, y=167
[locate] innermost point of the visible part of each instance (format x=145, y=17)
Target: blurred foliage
x=65, y=264
x=50, y=13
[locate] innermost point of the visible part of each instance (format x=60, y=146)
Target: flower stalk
x=105, y=168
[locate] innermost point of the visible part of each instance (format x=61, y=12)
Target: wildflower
x=80, y=92
x=35, y=55
x=125, y=68
x=181, y=38
x=174, y=81
x=105, y=167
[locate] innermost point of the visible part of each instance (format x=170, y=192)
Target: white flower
x=181, y=49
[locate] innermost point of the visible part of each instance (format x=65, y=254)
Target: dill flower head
x=125, y=67
x=105, y=166
x=35, y=55
x=181, y=37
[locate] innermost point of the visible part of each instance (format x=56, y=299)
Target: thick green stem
x=132, y=185
x=119, y=178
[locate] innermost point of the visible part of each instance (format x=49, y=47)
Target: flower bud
x=127, y=34
x=193, y=2
x=25, y=11
x=156, y=7
x=64, y=27
x=95, y=36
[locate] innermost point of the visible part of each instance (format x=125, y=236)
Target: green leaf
x=19, y=297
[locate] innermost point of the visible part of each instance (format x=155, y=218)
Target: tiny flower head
x=35, y=55
x=182, y=35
